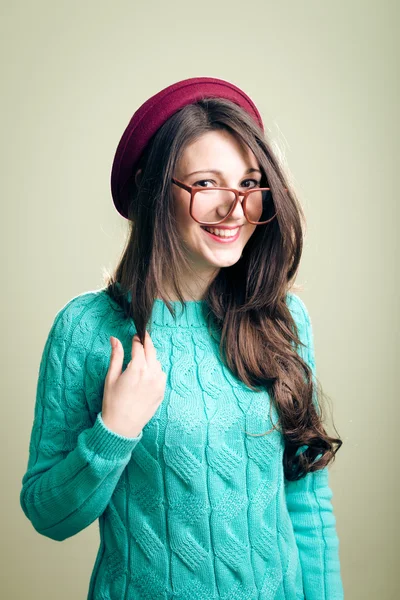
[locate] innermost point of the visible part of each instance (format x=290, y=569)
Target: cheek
x=187, y=228
x=183, y=218
x=248, y=235
x=186, y=225
x=249, y=232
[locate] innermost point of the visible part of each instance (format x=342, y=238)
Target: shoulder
x=302, y=319
x=298, y=309
x=77, y=339
x=79, y=316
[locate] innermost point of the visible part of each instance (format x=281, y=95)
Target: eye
x=256, y=183
x=198, y=183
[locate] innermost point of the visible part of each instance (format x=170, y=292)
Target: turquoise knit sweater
x=193, y=508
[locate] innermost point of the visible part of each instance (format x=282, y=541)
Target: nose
x=238, y=214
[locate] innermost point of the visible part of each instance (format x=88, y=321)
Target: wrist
x=123, y=430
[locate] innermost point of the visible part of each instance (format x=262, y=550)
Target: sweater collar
x=192, y=314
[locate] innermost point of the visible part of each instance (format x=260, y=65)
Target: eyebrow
x=251, y=170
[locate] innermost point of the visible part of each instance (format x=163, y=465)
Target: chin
x=226, y=261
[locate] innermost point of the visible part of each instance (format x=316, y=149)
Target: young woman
x=198, y=439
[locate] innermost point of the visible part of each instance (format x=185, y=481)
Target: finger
x=138, y=357
x=116, y=361
x=149, y=350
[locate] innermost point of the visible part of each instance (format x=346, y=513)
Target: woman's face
x=239, y=169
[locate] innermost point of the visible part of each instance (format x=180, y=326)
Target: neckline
x=177, y=302
x=191, y=315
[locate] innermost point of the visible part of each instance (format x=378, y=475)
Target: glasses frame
x=193, y=189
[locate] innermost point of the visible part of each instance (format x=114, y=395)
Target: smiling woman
x=205, y=459
x=207, y=252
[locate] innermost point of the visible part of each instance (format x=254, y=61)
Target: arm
x=74, y=465
x=310, y=507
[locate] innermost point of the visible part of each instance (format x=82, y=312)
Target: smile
x=223, y=236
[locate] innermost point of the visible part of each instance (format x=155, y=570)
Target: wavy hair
x=253, y=319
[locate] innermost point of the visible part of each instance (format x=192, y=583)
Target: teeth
x=222, y=232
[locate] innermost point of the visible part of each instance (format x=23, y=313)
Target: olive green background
x=325, y=79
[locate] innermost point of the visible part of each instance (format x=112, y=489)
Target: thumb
x=116, y=360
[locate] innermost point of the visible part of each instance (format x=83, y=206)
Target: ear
x=138, y=176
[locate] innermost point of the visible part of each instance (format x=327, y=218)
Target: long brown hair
x=246, y=301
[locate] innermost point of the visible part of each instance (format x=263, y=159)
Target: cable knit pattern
x=193, y=508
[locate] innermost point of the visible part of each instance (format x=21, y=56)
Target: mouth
x=223, y=236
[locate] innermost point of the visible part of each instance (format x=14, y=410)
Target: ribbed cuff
x=108, y=444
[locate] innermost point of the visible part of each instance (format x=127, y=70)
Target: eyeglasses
x=205, y=201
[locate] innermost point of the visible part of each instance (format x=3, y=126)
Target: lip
x=227, y=227
x=220, y=239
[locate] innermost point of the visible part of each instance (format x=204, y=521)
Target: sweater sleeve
x=74, y=463
x=310, y=507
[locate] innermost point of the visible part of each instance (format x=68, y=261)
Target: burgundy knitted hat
x=153, y=113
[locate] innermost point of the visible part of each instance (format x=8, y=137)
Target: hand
x=131, y=398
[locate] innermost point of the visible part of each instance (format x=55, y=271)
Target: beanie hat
x=153, y=113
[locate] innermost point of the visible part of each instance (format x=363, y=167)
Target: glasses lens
x=260, y=206
x=212, y=206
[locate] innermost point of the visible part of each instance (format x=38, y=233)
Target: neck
x=192, y=288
